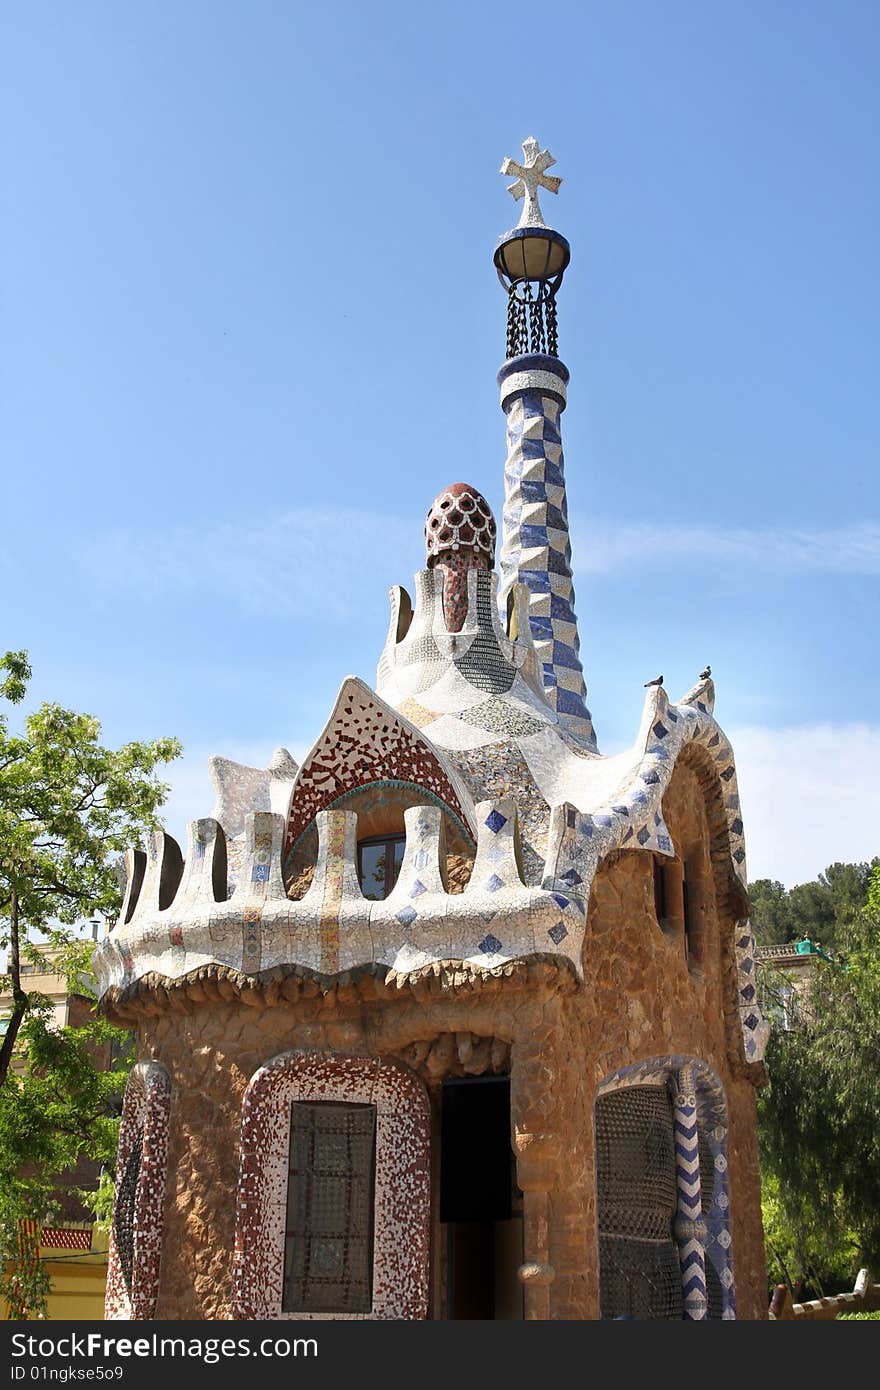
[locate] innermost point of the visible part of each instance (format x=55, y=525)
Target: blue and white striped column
x=690, y=1228
x=535, y=546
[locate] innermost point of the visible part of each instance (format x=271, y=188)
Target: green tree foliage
x=60, y=1104
x=68, y=807
x=818, y=910
x=813, y=1258
x=769, y=912
x=820, y=1115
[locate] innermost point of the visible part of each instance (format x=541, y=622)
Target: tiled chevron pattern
x=690, y=1228
x=536, y=549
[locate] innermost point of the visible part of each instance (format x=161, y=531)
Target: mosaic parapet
x=536, y=546
x=239, y=789
x=179, y=920
x=334, y=928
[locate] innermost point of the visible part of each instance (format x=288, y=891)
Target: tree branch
x=19, y=998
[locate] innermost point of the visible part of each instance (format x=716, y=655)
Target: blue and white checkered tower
x=535, y=546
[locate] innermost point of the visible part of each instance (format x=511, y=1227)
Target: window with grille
x=124, y=1208
x=640, y=1273
x=328, y=1252
x=687, y=902
x=661, y=909
x=379, y=861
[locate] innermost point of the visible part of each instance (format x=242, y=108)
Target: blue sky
x=251, y=328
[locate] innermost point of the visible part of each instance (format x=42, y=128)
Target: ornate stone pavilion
x=457, y=1019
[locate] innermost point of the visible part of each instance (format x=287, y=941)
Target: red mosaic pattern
x=401, y=1239
x=460, y=517
x=455, y=567
x=61, y=1238
x=364, y=743
x=147, y=1103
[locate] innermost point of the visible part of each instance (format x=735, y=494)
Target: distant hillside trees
x=818, y=910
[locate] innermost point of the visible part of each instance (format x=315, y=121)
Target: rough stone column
x=535, y=548
x=537, y=1145
x=691, y=1231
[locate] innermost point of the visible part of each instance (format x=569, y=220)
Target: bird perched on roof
x=704, y=675
x=657, y=681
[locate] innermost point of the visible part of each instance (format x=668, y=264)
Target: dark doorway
x=479, y=1201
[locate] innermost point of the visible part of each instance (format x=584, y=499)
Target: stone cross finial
x=530, y=177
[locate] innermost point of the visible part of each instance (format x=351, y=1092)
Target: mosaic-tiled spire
x=535, y=545
x=536, y=548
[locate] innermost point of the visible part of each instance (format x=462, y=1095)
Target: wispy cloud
x=603, y=546
x=809, y=797
x=280, y=562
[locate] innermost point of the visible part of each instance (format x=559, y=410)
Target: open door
x=480, y=1203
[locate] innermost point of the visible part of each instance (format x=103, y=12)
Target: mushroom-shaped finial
x=460, y=535
x=461, y=519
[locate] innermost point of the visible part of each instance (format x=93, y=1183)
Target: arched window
x=332, y=1216
x=662, y=1195
x=328, y=1239
x=636, y=1198
x=379, y=861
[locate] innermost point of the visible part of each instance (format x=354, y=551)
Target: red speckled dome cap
x=460, y=517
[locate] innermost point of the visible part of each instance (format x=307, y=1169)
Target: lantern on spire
x=531, y=258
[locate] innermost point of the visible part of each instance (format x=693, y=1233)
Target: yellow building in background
x=75, y=1256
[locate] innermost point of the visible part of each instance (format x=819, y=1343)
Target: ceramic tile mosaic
x=239, y=789
x=459, y=536
x=535, y=548
x=333, y=928
x=365, y=740
x=691, y=1230
x=612, y=803
x=422, y=664
x=145, y=1117
x=401, y=1226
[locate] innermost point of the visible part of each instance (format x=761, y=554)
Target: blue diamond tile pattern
x=558, y=933
x=495, y=821
x=536, y=548
x=494, y=883
x=406, y=916
x=490, y=945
